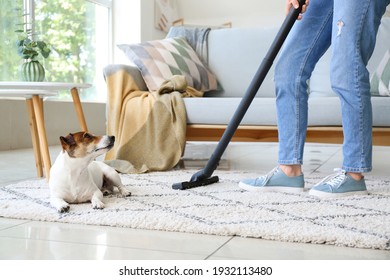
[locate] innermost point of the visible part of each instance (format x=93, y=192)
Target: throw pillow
x=159, y=60
x=380, y=80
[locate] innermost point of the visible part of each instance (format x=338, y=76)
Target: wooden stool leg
x=79, y=109
x=42, y=134
x=41, y=107
x=34, y=137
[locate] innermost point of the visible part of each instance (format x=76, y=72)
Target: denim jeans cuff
x=290, y=162
x=357, y=170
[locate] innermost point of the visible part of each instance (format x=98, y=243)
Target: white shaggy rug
x=220, y=209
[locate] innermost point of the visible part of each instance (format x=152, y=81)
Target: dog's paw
x=60, y=205
x=63, y=209
x=97, y=204
x=124, y=192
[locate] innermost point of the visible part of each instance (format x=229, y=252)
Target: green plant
x=28, y=47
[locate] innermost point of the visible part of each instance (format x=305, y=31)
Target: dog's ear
x=67, y=141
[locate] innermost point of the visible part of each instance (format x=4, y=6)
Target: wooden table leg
x=34, y=137
x=79, y=109
x=42, y=134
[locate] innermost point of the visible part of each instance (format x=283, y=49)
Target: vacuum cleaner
x=204, y=177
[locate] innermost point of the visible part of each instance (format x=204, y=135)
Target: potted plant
x=29, y=49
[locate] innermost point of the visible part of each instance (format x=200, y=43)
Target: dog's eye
x=88, y=136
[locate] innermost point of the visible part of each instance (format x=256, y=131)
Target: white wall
x=148, y=32
x=126, y=24
x=242, y=13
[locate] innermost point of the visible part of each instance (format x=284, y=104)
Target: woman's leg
x=355, y=25
x=307, y=42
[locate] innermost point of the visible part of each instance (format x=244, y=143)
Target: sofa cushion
x=380, y=80
x=319, y=83
x=235, y=54
x=323, y=111
x=159, y=60
x=219, y=111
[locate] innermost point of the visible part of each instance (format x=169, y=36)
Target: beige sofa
x=234, y=56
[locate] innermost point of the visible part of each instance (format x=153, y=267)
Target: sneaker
x=276, y=180
x=339, y=185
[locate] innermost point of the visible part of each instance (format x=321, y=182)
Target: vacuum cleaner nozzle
x=197, y=180
x=194, y=184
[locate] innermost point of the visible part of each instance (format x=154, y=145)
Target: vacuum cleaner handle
x=203, y=177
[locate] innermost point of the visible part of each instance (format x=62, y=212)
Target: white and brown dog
x=76, y=176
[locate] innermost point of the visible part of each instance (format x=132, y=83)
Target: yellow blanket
x=149, y=127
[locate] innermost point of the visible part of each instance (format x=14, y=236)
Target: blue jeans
x=350, y=27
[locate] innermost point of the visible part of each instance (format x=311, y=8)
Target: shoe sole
x=270, y=189
x=321, y=194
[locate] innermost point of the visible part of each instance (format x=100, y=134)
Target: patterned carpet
x=220, y=209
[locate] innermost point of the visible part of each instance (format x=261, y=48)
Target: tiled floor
x=38, y=240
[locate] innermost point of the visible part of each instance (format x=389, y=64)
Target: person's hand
x=295, y=4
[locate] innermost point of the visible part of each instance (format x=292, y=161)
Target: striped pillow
x=159, y=60
x=380, y=80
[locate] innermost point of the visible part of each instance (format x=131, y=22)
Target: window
x=79, y=34
x=9, y=59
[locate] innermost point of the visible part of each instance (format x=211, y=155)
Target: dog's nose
x=112, y=138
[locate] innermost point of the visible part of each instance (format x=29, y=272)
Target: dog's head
x=85, y=144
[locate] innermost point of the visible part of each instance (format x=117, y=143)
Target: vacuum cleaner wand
x=203, y=177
